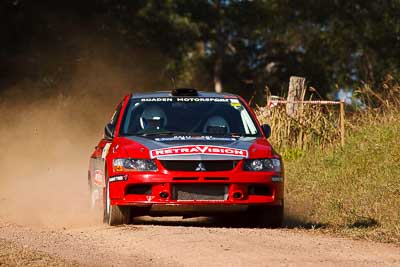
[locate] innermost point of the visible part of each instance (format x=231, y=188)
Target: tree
x=231, y=45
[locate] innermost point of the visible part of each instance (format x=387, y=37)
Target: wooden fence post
x=297, y=90
x=342, y=122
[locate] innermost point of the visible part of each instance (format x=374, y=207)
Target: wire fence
x=315, y=122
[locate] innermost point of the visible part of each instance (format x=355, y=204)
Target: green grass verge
x=354, y=190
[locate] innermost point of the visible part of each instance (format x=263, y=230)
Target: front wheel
x=113, y=214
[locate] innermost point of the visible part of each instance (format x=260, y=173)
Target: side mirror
x=267, y=130
x=109, y=131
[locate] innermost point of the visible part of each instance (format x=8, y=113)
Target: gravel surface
x=184, y=243
x=12, y=254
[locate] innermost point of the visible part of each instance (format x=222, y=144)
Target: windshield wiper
x=234, y=135
x=238, y=135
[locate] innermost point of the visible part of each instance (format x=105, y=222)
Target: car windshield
x=187, y=116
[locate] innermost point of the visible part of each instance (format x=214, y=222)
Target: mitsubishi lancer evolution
x=186, y=153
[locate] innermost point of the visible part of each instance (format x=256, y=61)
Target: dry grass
x=314, y=125
x=352, y=190
x=318, y=125
x=382, y=104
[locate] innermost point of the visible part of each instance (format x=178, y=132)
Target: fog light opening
x=164, y=194
x=237, y=195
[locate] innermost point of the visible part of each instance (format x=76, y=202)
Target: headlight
x=120, y=165
x=266, y=165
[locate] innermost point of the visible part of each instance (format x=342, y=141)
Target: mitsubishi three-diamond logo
x=200, y=167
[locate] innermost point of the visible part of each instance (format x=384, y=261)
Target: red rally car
x=186, y=153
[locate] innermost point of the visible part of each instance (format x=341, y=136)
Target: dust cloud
x=47, y=136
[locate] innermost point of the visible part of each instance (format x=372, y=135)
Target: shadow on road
x=221, y=222
x=216, y=222
x=293, y=222
x=290, y=222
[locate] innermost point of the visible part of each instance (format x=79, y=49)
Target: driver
x=153, y=118
x=216, y=125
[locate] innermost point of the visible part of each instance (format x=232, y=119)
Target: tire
x=113, y=214
x=266, y=216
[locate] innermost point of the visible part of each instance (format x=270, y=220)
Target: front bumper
x=243, y=188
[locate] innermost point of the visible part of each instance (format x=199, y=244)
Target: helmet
x=216, y=124
x=153, y=117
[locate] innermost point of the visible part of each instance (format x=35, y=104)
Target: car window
x=201, y=116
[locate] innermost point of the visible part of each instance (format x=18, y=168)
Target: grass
x=354, y=190
x=314, y=125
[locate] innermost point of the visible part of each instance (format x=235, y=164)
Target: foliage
x=248, y=44
x=315, y=126
x=352, y=190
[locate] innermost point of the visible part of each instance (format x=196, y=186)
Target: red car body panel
x=236, y=180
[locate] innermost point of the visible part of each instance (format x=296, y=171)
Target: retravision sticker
x=200, y=149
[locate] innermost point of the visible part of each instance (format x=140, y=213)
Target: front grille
x=199, y=165
x=200, y=192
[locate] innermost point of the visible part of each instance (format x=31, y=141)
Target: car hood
x=196, y=148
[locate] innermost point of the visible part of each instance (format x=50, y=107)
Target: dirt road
x=188, y=243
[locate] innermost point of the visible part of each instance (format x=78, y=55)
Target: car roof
x=168, y=94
